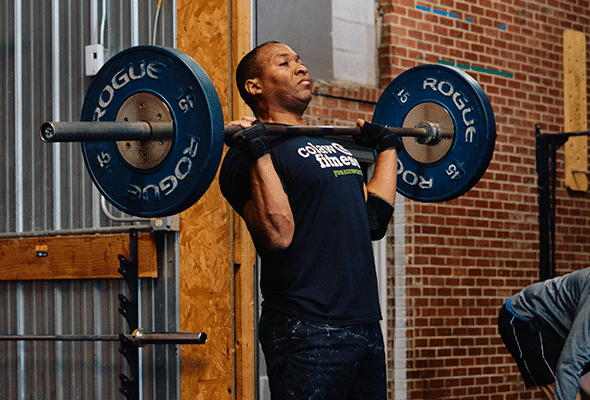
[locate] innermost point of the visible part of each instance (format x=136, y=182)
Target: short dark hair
x=249, y=68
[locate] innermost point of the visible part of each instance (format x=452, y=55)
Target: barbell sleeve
x=141, y=338
x=107, y=131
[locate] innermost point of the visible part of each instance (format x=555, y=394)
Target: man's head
x=271, y=76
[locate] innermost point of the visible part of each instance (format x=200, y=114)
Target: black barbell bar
x=319, y=130
x=139, y=337
x=105, y=131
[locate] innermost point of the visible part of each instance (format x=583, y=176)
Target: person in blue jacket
x=312, y=217
x=546, y=329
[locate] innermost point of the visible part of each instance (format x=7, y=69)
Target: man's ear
x=253, y=86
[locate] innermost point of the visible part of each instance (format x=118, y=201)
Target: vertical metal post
x=553, y=200
x=546, y=159
x=129, y=310
x=542, y=161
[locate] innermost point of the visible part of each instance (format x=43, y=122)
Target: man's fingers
x=245, y=122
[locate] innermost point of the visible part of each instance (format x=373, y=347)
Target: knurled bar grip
x=319, y=130
x=109, y=131
x=138, y=337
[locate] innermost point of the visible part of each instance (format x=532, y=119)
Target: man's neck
x=286, y=121
x=282, y=117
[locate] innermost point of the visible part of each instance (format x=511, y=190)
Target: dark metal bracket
x=129, y=309
x=546, y=155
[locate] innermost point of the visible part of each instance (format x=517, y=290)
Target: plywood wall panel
x=216, y=264
x=205, y=264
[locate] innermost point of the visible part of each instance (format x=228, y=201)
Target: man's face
x=284, y=78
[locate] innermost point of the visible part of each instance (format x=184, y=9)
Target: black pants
x=313, y=361
x=534, y=345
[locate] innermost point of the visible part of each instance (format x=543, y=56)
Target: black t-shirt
x=327, y=274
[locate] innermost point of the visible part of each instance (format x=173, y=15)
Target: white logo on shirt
x=327, y=155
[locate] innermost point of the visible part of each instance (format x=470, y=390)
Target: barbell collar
x=107, y=131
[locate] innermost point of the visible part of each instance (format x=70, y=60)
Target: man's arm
x=381, y=188
x=384, y=180
x=268, y=215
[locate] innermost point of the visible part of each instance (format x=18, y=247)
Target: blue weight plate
x=452, y=99
x=187, y=169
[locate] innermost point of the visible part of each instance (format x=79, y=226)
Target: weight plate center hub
x=429, y=152
x=151, y=153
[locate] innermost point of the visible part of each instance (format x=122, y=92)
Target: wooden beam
x=206, y=270
x=245, y=313
x=244, y=251
x=216, y=253
x=73, y=257
x=575, y=110
x=241, y=44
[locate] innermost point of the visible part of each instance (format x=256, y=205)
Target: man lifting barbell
x=152, y=138
x=152, y=131
x=312, y=222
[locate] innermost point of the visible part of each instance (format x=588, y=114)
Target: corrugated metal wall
x=46, y=188
x=43, y=79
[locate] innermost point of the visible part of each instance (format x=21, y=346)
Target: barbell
x=138, y=337
x=145, y=131
x=152, y=131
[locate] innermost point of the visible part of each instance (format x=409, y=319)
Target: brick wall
x=337, y=104
x=464, y=257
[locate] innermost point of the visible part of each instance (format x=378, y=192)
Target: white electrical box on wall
x=94, y=58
